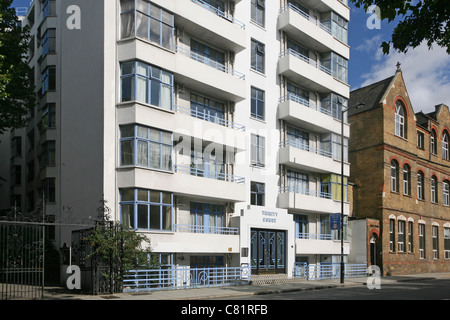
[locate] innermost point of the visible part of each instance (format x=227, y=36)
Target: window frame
x=258, y=12
x=400, y=120
x=406, y=180
x=257, y=56
x=257, y=150
x=258, y=104
x=394, y=177
x=257, y=193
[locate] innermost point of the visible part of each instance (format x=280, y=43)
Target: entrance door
x=268, y=251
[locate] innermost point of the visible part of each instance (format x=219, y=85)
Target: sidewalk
x=236, y=291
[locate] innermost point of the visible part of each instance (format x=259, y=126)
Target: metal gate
x=21, y=260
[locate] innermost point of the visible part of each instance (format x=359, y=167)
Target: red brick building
x=401, y=175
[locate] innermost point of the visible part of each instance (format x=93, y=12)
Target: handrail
x=208, y=174
x=307, y=192
x=209, y=118
x=305, y=147
x=205, y=229
x=306, y=59
x=306, y=16
x=209, y=62
x=220, y=13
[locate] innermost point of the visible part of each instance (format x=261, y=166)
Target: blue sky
x=425, y=71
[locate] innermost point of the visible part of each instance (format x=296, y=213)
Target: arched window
x=406, y=180
x=420, y=185
x=434, y=189
x=394, y=176
x=433, y=142
x=446, y=192
x=445, y=140
x=400, y=124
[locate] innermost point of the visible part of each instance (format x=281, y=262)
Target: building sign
x=335, y=221
x=269, y=216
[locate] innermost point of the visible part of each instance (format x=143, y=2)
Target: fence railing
x=307, y=192
x=209, y=174
x=209, y=62
x=329, y=271
x=205, y=229
x=207, y=117
x=306, y=147
x=183, y=277
x=314, y=236
x=306, y=59
x=307, y=17
x=220, y=13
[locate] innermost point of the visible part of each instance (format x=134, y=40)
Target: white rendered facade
x=203, y=129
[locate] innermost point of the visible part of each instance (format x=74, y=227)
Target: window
x=48, y=188
x=435, y=238
x=434, y=189
x=147, y=84
x=420, y=140
x=297, y=138
x=257, y=103
x=410, y=236
x=394, y=176
x=400, y=120
x=16, y=146
x=433, y=142
x=446, y=192
x=333, y=104
x=422, y=241
x=208, y=55
x=406, y=180
x=207, y=218
x=146, y=147
x=47, y=157
x=146, y=209
x=48, y=42
x=330, y=187
x=401, y=236
x=48, y=8
x=208, y=164
x=337, y=233
x=445, y=153
x=392, y=235
x=48, y=117
x=298, y=182
x=258, y=56
x=301, y=226
x=447, y=243
x=257, y=193
x=258, y=12
x=147, y=21
x=49, y=80
x=297, y=94
x=337, y=65
x=207, y=109
x=420, y=185
x=257, y=150
x=330, y=145
x=325, y=229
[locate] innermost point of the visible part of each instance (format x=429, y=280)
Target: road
x=436, y=289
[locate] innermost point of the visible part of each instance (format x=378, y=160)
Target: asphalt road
x=435, y=289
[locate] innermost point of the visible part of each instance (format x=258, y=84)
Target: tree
x=419, y=21
x=17, y=95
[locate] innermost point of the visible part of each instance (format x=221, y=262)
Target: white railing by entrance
x=329, y=271
x=183, y=277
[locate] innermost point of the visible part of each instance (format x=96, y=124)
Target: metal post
x=342, y=195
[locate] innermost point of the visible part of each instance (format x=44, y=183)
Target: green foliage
x=419, y=21
x=17, y=95
x=122, y=246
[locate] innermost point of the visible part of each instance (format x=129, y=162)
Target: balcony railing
x=314, y=236
x=209, y=62
x=205, y=229
x=293, y=97
x=209, y=174
x=205, y=116
x=305, y=147
x=306, y=16
x=220, y=13
x=307, y=192
x=306, y=59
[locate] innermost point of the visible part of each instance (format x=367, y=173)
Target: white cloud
x=425, y=73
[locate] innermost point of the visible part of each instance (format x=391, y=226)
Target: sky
x=425, y=71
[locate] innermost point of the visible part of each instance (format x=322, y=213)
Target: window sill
x=135, y=102
x=125, y=167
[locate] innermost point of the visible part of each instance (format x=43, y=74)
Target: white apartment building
x=211, y=126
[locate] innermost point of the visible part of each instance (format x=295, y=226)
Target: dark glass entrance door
x=268, y=251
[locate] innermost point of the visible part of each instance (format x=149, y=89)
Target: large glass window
x=257, y=151
x=420, y=185
x=337, y=65
x=48, y=42
x=207, y=218
x=298, y=182
x=147, y=21
x=401, y=236
x=394, y=176
x=434, y=189
x=406, y=180
x=258, y=12
x=297, y=138
x=49, y=80
x=146, y=147
x=258, y=56
x=333, y=104
x=331, y=144
x=146, y=209
x=257, y=193
x=257, y=103
x=301, y=226
x=331, y=187
x=207, y=55
x=298, y=94
x=337, y=25
x=445, y=140
x=147, y=84
x=207, y=109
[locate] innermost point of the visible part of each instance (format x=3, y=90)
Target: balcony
x=310, y=31
x=308, y=201
x=184, y=182
x=309, y=116
x=189, y=69
x=306, y=158
x=208, y=23
x=310, y=74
